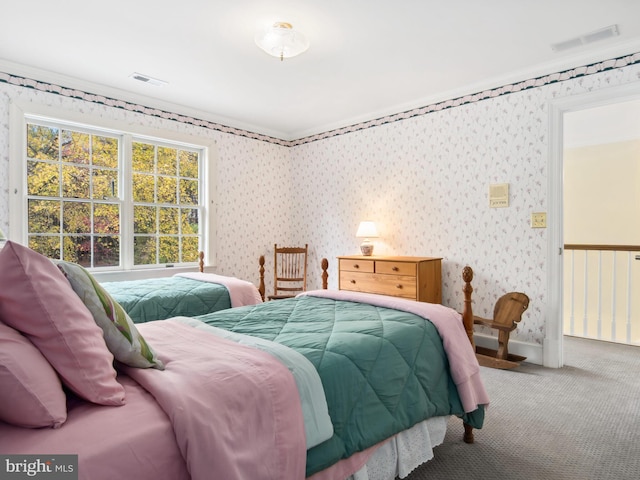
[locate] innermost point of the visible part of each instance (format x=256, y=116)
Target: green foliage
x=74, y=198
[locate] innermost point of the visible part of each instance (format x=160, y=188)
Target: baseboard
x=532, y=351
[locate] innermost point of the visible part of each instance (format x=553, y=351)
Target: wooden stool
x=506, y=314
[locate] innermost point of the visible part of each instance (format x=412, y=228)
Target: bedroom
x=503, y=139
x=460, y=149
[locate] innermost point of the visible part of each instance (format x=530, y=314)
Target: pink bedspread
x=219, y=410
x=235, y=410
x=241, y=292
x=137, y=436
x=462, y=360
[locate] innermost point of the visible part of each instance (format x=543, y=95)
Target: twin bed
x=321, y=386
x=184, y=294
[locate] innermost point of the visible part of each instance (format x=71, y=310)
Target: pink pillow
x=37, y=300
x=30, y=391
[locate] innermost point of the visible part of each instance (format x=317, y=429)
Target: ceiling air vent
x=147, y=79
x=595, y=36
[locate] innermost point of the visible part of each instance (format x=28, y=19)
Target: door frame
x=553, y=345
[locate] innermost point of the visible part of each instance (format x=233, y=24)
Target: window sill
x=140, y=274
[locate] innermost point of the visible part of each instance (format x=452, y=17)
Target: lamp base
x=366, y=249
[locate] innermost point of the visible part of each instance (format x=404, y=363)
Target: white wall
x=423, y=179
x=253, y=206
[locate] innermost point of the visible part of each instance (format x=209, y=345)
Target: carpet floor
x=578, y=422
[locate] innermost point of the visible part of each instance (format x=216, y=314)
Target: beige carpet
x=579, y=422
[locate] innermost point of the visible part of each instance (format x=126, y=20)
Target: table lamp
x=367, y=230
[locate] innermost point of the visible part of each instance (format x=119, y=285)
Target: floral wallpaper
x=423, y=176
x=425, y=181
x=253, y=188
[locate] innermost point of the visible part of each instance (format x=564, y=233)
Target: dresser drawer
x=415, y=278
x=393, y=285
x=350, y=265
x=396, y=268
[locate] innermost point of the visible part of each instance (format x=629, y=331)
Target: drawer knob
x=353, y=281
x=399, y=286
x=356, y=266
x=395, y=269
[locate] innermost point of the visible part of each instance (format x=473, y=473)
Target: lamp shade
x=367, y=230
x=281, y=40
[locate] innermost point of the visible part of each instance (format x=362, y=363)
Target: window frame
x=22, y=114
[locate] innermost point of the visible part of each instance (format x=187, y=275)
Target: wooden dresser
x=415, y=278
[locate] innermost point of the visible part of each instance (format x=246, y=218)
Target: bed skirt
x=403, y=453
x=394, y=457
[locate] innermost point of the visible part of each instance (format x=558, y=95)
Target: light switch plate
x=539, y=220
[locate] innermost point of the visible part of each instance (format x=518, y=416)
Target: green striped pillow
x=120, y=334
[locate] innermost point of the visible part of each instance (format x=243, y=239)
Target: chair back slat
x=290, y=271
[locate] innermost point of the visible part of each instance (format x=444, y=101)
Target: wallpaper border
x=591, y=69
x=582, y=71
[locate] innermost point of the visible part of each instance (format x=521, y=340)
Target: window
x=109, y=199
x=72, y=195
x=166, y=208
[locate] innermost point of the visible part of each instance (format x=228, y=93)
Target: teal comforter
x=161, y=298
x=382, y=370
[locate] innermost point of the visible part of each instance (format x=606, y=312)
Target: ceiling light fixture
x=281, y=40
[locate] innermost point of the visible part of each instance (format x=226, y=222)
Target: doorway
x=585, y=130
x=601, y=186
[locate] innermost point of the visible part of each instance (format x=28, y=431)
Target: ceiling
x=611, y=123
x=367, y=59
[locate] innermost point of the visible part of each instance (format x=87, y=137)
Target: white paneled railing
x=602, y=292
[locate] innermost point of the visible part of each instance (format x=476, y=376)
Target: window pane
x=144, y=219
x=167, y=161
x=75, y=181
x=76, y=217
x=106, y=251
x=188, y=192
x=143, y=188
x=48, y=246
x=143, y=157
x=106, y=218
x=44, y=216
x=167, y=190
x=75, y=147
x=105, y=184
x=190, y=249
x=144, y=250
x=105, y=151
x=75, y=204
x=42, y=142
x=189, y=221
x=168, y=220
x=77, y=249
x=188, y=164
x=43, y=179
x=169, y=250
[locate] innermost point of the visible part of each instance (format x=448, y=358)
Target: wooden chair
x=507, y=313
x=289, y=271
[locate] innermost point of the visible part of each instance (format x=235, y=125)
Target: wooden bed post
x=467, y=312
x=325, y=265
x=201, y=261
x=261, y=287
x=467, y=320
